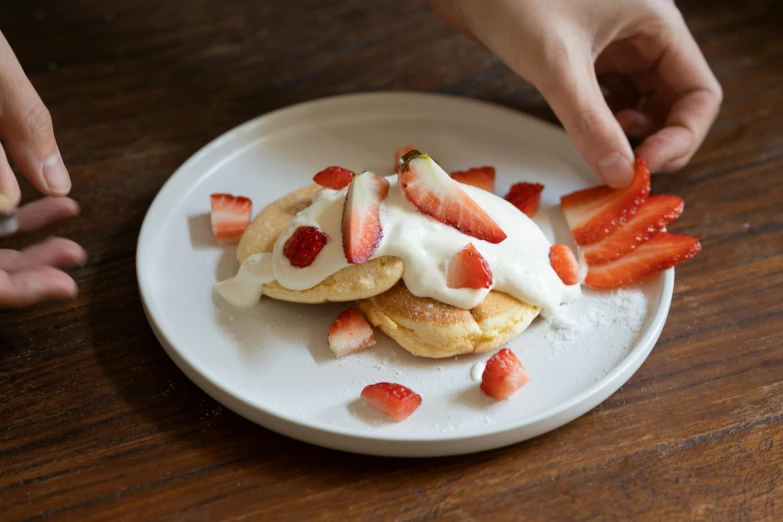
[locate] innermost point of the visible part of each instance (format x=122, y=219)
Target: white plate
x=271, y=363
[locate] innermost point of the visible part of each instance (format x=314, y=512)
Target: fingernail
x=616, y=170
x=56, y=175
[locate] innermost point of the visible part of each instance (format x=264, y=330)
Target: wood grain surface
x=96, y=423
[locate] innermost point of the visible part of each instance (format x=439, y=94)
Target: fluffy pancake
x=428, y=328
x=349, y=284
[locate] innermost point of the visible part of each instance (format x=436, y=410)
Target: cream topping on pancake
x=519, y=264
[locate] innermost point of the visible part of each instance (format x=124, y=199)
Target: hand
x=27, y=134
x=660, y=86
x=32, y=275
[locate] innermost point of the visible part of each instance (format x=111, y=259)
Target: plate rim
x=349, y=440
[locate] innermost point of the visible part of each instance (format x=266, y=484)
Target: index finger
x=26, y=128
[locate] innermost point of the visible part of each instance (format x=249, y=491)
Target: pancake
x=349, y=284
x=428, y=328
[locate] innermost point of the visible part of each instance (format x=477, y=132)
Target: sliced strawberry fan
x=594, y=213
x=622, y=232
x=650, y=219
x=663, y=251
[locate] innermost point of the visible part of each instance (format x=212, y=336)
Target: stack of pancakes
x=423, y=326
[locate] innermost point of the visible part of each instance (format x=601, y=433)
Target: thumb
x=573, y=92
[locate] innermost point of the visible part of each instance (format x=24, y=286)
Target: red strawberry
x=480, y=177
x=651, y=218
x=594, y=213
x=394, y=400
x=304, y=245
x=526, y=197
x=663, y=251
x=230, y=216
x=350, y=333
x=336, y=178
x=565, y=264
x=362, y=231
x=427, y=187
x=503, y=375
x=468, y=269
x=399, y=153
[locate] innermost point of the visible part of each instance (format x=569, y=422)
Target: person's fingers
x=42, y=212
x=57, y=252
x=28, y=288
x=571, y=89
x=9, y=188
x=683, y=73
x=26, y=128
x=686, y=126
x=634, y=123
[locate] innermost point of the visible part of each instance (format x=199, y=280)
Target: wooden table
x=97, y=423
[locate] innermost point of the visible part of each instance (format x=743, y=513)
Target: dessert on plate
x=437, y=261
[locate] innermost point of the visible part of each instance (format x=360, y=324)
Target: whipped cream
x=477, y=371
x=519, y=264
x=246, y=288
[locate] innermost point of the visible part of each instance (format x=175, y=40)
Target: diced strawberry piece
x=428, y=188
x=362, y=230
x=230, y=216
x=480, y=177
x=304, y=245
x=350, y=333
x=564, y=263
x=526, y=197
x=651, y=218
x=336, y=178
x=503, y=375
x=594, y=213
x=663, y=251
x=394, y=400
x=399, y=153
x=468, y=269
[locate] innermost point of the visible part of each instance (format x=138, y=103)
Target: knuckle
x=37, y=120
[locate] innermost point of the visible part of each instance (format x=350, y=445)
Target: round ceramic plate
x=271, y=363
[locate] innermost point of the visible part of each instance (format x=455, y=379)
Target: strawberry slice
x=362, y=230
x=230, y=216
x=503, y=375
x=350, y=333
x=336, y=178
x=394, y=400
x=651, y=218
x=428, y=188
x=564, y=263
x=304, y=245
x=663, y=251
x=480, y=177
x=399, y=153
x=594, y=213
x=468, y=269
x=526, y=197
